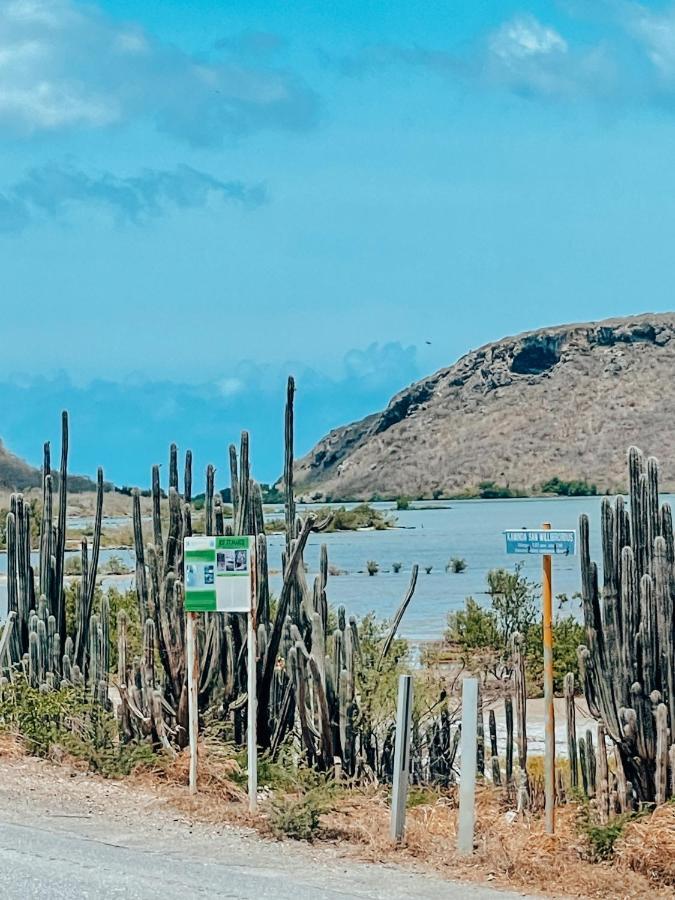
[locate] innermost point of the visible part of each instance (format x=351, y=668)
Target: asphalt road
x=77, y=857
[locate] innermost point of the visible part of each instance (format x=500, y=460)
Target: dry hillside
x=18, y=475
x=15, y=473
x=564, y=401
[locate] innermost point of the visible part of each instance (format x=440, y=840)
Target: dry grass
x=514, y=854
x=216, y=773
x=11, y=746
x=648, y=846
x=510, y=854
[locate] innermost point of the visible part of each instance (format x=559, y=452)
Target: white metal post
x=193, y=696
x=467, y=781
x=401, y=757
x=252, y=735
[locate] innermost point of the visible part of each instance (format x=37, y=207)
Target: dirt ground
x=510, y=853
x=67, y=834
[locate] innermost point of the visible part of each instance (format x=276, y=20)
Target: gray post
x=252, y=739
x=401, y=757
x=467, y=780
x=193, y=696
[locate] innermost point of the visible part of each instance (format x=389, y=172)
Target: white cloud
x=64, y=64
x=524, y=38
x=532, y=59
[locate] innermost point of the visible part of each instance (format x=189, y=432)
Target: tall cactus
x=628, y=662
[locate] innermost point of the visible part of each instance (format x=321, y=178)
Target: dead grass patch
x=512, y=854
x=515, y=854
x=11, y=746
x=648, y=846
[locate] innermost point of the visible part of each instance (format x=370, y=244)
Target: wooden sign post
x=549, y=711
x=546, y=543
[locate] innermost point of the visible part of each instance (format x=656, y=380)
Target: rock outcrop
x=564, y=401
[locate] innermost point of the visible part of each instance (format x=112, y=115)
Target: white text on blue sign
x=541, y=541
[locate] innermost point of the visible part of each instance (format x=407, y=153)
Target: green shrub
x=481, y=636
x=562, y=488
x=568, y=634
x=298, y=817
x=396, y=567
x=403, y=503
x=421, y=796
x=377, y=684
x=373, y=567
x=68, y=720
x=490, y=490
x=600, y=839
x=473, y=632
x=456, y=565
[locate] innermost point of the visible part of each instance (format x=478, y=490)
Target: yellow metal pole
x=549, y=751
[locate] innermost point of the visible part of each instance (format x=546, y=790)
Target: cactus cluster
x=37, y=638
x=628, y=662
x=309, y=662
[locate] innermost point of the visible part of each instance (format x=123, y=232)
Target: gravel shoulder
x=71, y=835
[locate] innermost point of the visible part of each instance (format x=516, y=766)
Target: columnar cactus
x=628, y=662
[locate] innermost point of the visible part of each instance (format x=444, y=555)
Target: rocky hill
x=564, y=401
x=18, y=475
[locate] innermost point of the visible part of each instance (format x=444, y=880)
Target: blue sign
x=541, y=541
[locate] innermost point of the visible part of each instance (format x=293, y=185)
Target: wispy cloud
x=631, y=61
x=54, y=190
x=530, y=58
x=65, y=64
x=654, y=32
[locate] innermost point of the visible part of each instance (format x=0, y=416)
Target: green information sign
x=218, y=574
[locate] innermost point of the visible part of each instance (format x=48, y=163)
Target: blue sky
x=196, y=199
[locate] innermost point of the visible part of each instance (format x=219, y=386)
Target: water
x=429, y=536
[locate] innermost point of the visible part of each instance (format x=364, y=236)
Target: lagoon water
x=430, y=534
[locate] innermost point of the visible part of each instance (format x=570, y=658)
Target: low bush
x=562, y=488
x=361, y=516
x=481, y=636
x=601, y=838
x=490, y=490
x=298, y=816
x=67, y=721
